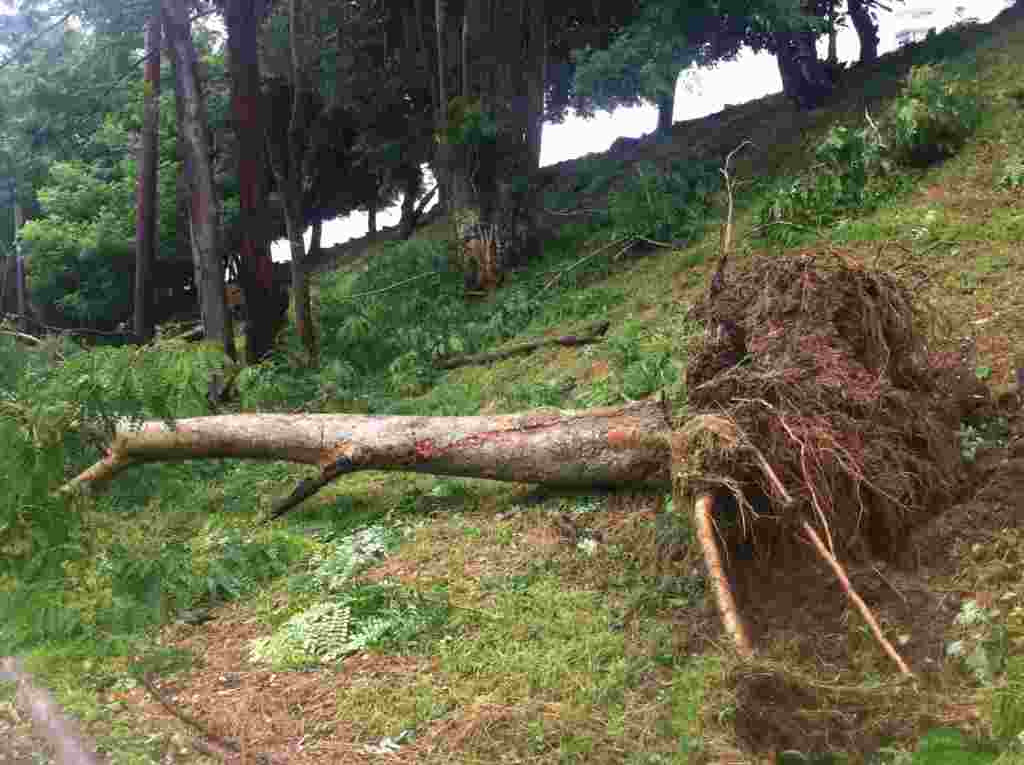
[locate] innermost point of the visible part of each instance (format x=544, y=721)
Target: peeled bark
x=608, y=447
x=146, y=191
x=204, y=223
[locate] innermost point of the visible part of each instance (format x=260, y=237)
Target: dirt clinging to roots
x=817, y=399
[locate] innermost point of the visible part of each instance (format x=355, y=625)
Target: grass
x=561, y=628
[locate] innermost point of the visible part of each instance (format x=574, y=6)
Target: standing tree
x=203, y=210
x=263, y=298
x=641, y=61
x=289, y=161
x=146, y=196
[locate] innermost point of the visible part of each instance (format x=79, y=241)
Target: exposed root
x=856, y=599
x=731, y=620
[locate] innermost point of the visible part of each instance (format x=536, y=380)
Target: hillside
x=403, y=618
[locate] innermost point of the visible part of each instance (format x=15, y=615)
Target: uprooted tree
x=816, y=410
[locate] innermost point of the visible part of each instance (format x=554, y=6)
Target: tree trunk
x=203, y=220
x=288, y=171
x=371, y=222
x=867, y=29
x=493, y=203
x=21, y=289
x=804, y=76
x=266, y=303
x=609, y=447
x=536, y=80
x=146, y=189
x=666, y=113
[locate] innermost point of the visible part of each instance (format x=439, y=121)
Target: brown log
x=606, y=447
x=589, y=334
x=48, y=721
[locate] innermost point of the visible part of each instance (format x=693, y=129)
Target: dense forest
x=703, y=449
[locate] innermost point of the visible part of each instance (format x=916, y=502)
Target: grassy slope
x=561, y=629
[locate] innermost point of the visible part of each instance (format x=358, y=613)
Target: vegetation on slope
x=476, y=622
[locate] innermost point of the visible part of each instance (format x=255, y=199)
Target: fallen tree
x=818, y=414
x=615, y=446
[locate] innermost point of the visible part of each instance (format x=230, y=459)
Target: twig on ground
x=857, y=601
x=390, y=286
x=716, y=573
x=589, y=334
x=628, y=241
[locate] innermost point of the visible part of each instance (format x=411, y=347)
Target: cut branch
x=607, y=447
x=589, y=334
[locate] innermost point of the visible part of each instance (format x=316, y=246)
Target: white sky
x=750, y=76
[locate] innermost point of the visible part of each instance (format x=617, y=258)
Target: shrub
x=666, y=205
x=851, y=175
x=933, y=117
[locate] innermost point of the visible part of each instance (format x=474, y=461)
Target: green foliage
x=468, y=123
x=1012, y=177
x=352, y=617
x=934, y=116
x=1008, y=701
x=987, y=434
x=852, y=176
x=665, y=205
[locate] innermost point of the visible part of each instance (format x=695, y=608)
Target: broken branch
x=589, y=334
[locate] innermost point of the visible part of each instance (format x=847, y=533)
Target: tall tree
x=288, y=159
x=146, y=194
x=263, y=297
x=194, y=127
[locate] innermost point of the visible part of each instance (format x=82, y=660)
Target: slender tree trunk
x=371, y=222
x=295, y=220
x=146, y=220
x=443, y=152
x=833, y=35
x=590, y=448
x=265, y=303
x=666, y=112
x=203, y=221
x=867, y=29
x=21, y=289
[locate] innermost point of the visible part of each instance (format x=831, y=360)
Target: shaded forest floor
x=549, y=628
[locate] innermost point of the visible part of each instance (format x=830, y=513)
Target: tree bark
x=867, y=29
x=804, y=77
x=608, y=447
x=146, y=220
x=494, y=205
x=266, y=302
x=203, y=220
x=666, y=113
